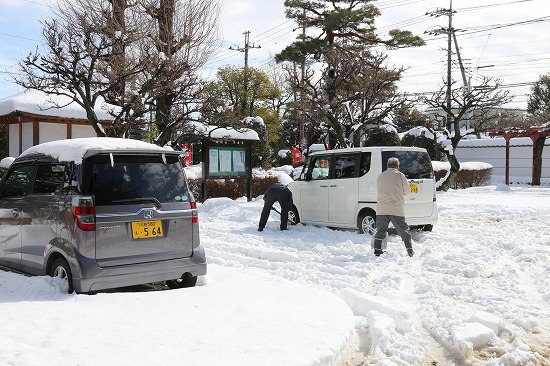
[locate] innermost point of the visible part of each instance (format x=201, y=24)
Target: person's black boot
x=378, y=247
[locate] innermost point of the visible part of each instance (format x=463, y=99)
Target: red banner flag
x=296, y=155
x=188, y=160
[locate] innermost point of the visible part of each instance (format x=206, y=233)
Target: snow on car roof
x=75, y=149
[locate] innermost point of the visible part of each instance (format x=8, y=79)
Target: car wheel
x=293, y=217
x=184, y=281
x=367, y=223
x=60, y=269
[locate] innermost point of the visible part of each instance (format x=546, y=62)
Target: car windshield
x=142, y=178
x=413, y=164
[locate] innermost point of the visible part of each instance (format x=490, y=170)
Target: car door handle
x=15, y=212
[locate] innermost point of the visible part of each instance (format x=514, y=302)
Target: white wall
x=27, y=136
x=521, y=155
x=47, y=132
x=79, y=131
x=51, y=132
x=14, y=140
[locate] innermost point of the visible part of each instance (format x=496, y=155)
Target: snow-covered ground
x=477, y=292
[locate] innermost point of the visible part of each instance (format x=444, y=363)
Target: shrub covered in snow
x=236, y=188
x=231, y=188
x=471, y=174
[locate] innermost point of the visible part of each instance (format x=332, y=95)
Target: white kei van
x=337, y=188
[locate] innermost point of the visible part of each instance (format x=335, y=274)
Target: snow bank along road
x=477, y=291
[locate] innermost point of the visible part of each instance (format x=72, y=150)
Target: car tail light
x=83, y=210
x=195, y=218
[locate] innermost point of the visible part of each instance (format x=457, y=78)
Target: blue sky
x=19, y=34
x=499, y=38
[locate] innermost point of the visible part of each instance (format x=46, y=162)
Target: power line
x=498, y=26
x=14, y=36
x=491, y=5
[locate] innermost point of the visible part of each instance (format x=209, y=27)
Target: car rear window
x=138, y=178
x=413, y=164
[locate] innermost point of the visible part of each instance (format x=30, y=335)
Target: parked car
x=101, y=213
x=337, y=188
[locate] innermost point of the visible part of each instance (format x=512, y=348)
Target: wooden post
x=535, y=163
x=535, y=133
x=249, y=168
x=507, y=137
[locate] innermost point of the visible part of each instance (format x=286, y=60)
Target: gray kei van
x=101, y=213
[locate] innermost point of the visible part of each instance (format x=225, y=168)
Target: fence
x=493, y=151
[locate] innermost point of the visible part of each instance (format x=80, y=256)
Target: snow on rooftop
x=498, y=141
x=216, y=132
x=37, y=102
x=75, y=149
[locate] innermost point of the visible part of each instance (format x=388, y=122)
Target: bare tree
x=183, y=36
x=113, y=50
x=76, y=64
x=356, y=93
x=483, y=99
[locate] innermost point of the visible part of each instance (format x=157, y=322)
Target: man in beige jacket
x=390, y=207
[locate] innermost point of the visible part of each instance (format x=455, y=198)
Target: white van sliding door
x=343, y=189
x=315, y=193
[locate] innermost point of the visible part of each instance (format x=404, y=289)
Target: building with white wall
x=31, y=119
x=493, y=151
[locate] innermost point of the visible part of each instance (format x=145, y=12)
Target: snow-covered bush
x=471, y=174
x=230, y=188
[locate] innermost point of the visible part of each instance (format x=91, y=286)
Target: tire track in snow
x=475, y=257
x=436, y=353
x=539, y=338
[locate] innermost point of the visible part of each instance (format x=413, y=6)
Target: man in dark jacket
x=277, y=192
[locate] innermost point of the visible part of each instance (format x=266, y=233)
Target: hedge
x=236, y=188
x=231, y=188
x=467, y=177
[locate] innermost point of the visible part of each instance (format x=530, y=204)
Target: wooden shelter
x=227, y=154
x=30, y=120
x=537, y=135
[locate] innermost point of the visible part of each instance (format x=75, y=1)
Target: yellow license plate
x=146, y=229
x=414, y=187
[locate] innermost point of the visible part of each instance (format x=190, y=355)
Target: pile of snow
x=284, y=153
x=6, y=162
x=468, y=165
x=254, y=121
x=194, y=171
x=236, y=317
x=477, y=292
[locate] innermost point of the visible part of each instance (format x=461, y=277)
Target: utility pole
x=303, y=139
x=449, y=60
x=246, y=47
x=451, y=35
